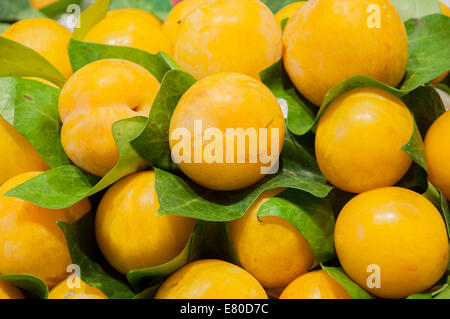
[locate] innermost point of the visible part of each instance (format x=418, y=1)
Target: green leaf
x=32, y=108
x=84, y=252
x=153, y=142
x=4, y=26
x=424, y=295
x=426, y=105
x=59, y=7
x=436, y=197
x=429, y=52
x=17, y=10
x=159, y=8
x=64, y=186
x=19, y=60
x=445, y=294
x=444, y=291
x=444, y=88
x=32, y=286
x=208, y=240
x=284, y=23
x=415, y=179
x=7, y=99
x=352, y=83
x=445, y=211
x=313, y=217
x=179, y=196
x=355, y=291
x=82, y=53
x=415, y=148
x=433, y=195
x=276, y=5
x=300, y=115
x=150, y=292
x=408, y=9
x=90, y=17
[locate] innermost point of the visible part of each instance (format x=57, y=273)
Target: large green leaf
x=445, y=294
x=59, y=7
x=153, y=142
x=276, y=5
x=3, y=27
x=415, y=179
x=94, y=270
x=7, y=99
x=32, y=286
x=208, y=240
x=445, y=211
x=429, y=52
x=300, y=116
x=355, y=291
x=66, y=185
x=159, y=8
x=424, y=295
x=408, y=9
x=90, y=17
x=426, y=105
x=443, y=291
x=82, y=53
x=19, y=60
x=313, y=217
x=416, y=149
x=32, y=108
x=179, y=196
x=13, y=10
x=435, y=196
x=352, y=83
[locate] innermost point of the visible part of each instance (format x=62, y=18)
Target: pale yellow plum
x=325, y=42
x=130, y=234
x=171, y=26
x=437, y=153
x=315, y=285
x=92, y=100
x=399, y=232
x=228, y=36
x=211, y=279
x=18, y=155
x=9, y=291
x=285, y=254
x=359, y=140
x=45, y=36
x=220, y=103
x=31, y=242
x=75, y=289
x=131, y=28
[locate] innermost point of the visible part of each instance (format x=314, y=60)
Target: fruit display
x=224, y=149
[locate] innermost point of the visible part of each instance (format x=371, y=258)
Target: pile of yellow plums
x=224, y=45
